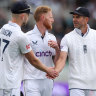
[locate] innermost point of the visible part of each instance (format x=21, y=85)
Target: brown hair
x=41, y=10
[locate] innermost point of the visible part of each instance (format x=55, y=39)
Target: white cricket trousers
x=82, y=92
x=38, y=87
x=10, y=92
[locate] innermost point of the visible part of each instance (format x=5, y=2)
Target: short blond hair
x=41, y=10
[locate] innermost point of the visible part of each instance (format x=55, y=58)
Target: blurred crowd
x=61, y=8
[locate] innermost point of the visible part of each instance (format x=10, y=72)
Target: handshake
x=52, y=73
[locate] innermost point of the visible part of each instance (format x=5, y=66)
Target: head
x=20, y=12
x=44, y=14
x=80, y=17
x=21, y=19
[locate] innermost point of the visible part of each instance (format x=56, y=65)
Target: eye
x=78, y=16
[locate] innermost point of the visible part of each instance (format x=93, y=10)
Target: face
x=48, y=20
x=79, y=21
x=25, y=19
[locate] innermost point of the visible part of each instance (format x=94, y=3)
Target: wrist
x=57, y=70
x=57, y=48
x=46, y=69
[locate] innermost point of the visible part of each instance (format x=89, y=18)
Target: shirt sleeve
x=64, y=44
x=24, y=44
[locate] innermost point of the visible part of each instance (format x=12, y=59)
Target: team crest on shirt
x=28, y=46
x=34, y=42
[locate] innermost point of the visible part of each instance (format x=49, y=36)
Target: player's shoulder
x=30, y=33
x=5, y=26
x=70, y=33
x=50, y=34
x=92, y=30
x=68, y=36
x=92, y=33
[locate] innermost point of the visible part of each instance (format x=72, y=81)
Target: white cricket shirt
x=42, y=51
x=82, y=59
x=13, y=44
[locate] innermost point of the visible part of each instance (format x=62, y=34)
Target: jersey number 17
x=3, y=45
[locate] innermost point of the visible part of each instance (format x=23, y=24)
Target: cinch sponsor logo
x=47, y=53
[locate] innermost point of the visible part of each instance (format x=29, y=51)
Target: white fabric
x=13, y=44
x=10, y=92
x=80, y=33
x=38, y=87
x=82, y=59
x=79, y=92
x=42, y=51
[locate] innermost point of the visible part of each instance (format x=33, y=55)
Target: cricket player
x=14, y=46
x=46, y=49
x=80, y=47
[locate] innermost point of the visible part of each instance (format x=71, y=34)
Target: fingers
x=50, y=77
x=51, y=74
x=52, y=44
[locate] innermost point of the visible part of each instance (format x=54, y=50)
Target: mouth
x=75, y=23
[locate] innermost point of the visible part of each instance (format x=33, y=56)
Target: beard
x=24, y=24
x=47, y=25
x=77, y=26
x=24, y=27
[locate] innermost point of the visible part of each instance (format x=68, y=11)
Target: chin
x=49, y=27
x=75, y=26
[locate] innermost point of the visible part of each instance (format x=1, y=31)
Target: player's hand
x=50, y=77
x=51, y=73
x=53, y=44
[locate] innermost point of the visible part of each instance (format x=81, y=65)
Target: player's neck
x=41, y=28
x=17, y=22
x=84, y=29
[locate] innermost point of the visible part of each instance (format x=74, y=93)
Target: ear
x=42, y=17
x=22, y=16
x=87, y=19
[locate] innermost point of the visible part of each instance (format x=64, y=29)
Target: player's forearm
x=36, y=63
x=59, y=65
x=57, y=54
x=61, y=61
